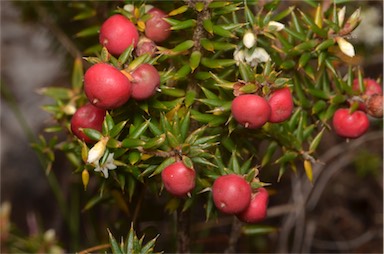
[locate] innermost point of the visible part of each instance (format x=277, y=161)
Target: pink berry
x=350, y=125
x=106, y=87
x=156, y=28
x=281, y=103
x=257, y=209
x=146, y=80
x=178, y=179
x=87, y=116
x=251, y=110
x=117, y=33
x=231, y=193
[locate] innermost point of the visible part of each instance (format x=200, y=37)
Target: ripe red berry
x=178, y=179
x=281, y=103
x=146, y=80
x=251, y=110
x=350, y=125
x=87, y=116
x=371, y=86
x=231, y=193
x=156, y=28
x=117, y=33
x=257, y=209
x=106, y=87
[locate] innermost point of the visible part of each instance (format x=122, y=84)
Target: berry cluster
x=253, y=111
x=232, y=194
x=353, y=122
x=108, y=87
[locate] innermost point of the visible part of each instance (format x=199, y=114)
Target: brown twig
x=95, y=248
x=234, y=236
x=183, y=230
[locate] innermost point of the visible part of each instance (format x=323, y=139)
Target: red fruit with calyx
x=257, y=209
x=178, y=179
x=251, y=110
x=374, y=105
x=156, y=28
x=87, y=116
x=350, y=125
x=145, y=46
x=371, y=88
x=145, y=81
x=106, y=87
x=231, y=193
x=281, y=103
x=118, y=33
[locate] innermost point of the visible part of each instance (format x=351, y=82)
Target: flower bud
x=275, y=26
x=345, y=47
x=85, y=178
x=341, y=16
x=129, y=7
x=97, y=151
x=249, y=39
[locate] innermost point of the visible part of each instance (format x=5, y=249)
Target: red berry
x=281, y=103
x=146, y=80
x=87, y=116
x=231, y=193
x=371, y=86
x=257, y=209
x=350, y=125
x=106, y=87
x=117, y=33
x=178, y=179
x=251, y=110
x=156, y=28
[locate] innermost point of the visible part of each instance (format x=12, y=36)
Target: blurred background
x=39, y=41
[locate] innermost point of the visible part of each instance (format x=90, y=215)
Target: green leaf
x=114, y=245
x=58, y=93
x=138, y=131
x=130, y=238
x=217, y=63
x=286, y=157
x=163, y=165
x=155, y=142
x=194, y=60
x=92, y=134
x=185, y=45
x=184, y=24
x=178, y=11
x=219, y=30
x=132, y=143
x=208, y=25
x=90, y=31
x=77, y=74
x=316, y=141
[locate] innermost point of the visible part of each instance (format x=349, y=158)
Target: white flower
x=129, y=7
x=275, y=26
x=259, y=55
x=249, y=39
x=345, y=47
x=97, y=151
x=238, y=56
x=107, y=165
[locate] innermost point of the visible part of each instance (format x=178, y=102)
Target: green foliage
x=189, y=119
